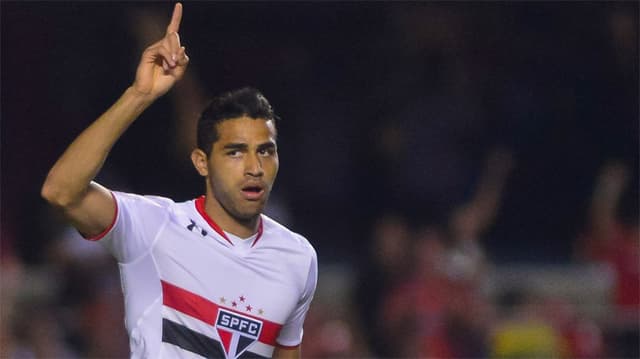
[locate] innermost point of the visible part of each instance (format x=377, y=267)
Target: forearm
x=608, y=191
x=286, y=353
x=71, y=175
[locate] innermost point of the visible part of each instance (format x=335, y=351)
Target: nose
x=253, y=166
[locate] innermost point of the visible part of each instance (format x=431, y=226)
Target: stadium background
x=395, y=117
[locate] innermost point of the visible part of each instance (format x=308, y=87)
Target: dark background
x=557, y=83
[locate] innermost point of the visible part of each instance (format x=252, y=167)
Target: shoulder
x=144, y=204
x=293, y=253
x=285, y=236
x=146, y=199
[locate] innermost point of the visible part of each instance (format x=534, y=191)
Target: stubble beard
x=234, y=207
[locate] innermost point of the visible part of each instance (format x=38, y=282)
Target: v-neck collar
x=200, y=208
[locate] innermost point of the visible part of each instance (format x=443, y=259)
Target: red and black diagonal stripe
x=198, y=307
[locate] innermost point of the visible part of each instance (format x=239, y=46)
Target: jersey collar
x=200, y=205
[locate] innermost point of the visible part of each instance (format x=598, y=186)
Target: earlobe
x=199, y=159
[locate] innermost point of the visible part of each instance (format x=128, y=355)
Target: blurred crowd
x=423, y=291
x=462, y=149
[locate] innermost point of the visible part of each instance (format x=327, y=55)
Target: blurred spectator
x=614, y=240
x=414, y=311
x=469, y=309
x=37, y=332
x=12, y=271
x=469, y=221
x=385, y=266
x=581, y=337
x=89, y=298
x=523, y=332
x=328, y=334
x=29, y=322
x=69, y=306
x=439, y=308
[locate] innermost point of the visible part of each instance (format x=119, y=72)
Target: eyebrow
x=235, y=146
x=266, y=145
x=244, y=146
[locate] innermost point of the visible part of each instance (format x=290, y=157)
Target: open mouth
x=252, y=192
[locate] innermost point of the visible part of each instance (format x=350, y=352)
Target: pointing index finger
x=174, y=25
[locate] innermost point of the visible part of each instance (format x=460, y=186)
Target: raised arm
x=69, y=185
x=471, y=219
x=607, y=193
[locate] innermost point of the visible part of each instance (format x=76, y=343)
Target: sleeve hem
x=287, y=346
x=110, y=227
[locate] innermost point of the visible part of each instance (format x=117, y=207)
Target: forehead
x=246, y=129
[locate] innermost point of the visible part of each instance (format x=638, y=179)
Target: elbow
x=50, y=194
x=55, y=195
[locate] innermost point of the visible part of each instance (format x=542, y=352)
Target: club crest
x=237, y=332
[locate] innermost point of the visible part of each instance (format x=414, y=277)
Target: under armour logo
x=193, y=226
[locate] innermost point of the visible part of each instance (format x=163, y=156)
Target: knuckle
x=148, y=51
x=173, y=34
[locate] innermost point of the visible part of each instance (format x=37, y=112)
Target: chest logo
x=193, y=227
x=237, y=332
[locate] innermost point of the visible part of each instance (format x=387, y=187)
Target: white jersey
x=192, y=290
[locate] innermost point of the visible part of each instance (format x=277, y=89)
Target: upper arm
x=94, y=213
x=292, y=331
x=286, y=352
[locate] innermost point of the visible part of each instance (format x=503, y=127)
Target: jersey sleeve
x=291, y=332
x=138, y=219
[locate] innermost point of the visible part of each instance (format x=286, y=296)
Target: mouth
x=252, y=192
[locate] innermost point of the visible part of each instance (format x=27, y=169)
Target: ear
x=199, y=159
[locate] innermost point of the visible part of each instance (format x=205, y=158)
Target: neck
x=242, y=228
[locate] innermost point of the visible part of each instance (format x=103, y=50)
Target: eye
x=265, y=152
x=234, y=153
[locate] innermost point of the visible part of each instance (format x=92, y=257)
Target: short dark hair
x=246, y=101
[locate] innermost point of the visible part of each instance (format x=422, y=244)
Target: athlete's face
x=242, y=166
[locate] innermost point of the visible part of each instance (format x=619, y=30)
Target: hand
x=163, y=63
x=612, y=179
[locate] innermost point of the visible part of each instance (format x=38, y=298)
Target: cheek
x=219, y=175
x=273, y=167
x=221, y=187
x=223, y=168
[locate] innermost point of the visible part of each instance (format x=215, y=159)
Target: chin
x=249, y=214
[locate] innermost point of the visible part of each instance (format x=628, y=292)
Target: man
x=210, y=277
